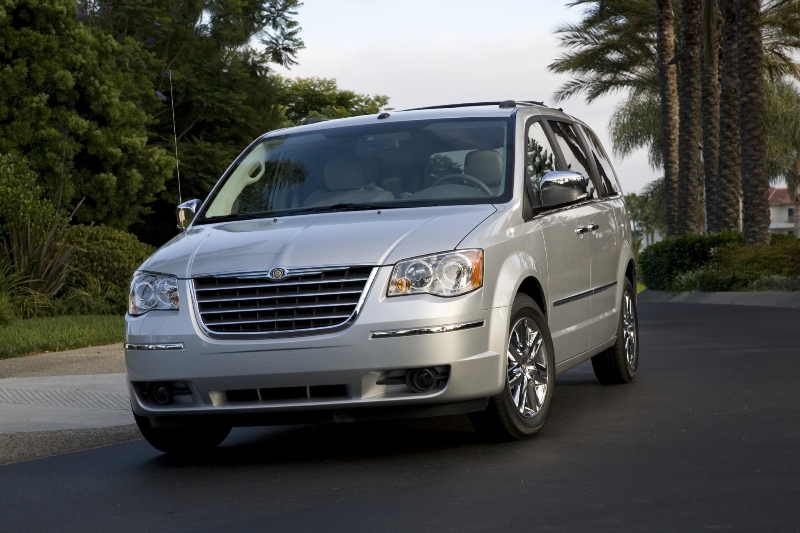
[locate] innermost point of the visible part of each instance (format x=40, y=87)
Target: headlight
x=445, y=274
x=152, y=291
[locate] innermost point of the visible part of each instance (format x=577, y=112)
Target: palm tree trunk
x=669, y=109
x=689, y=100
x=730, y=177
x=752, y=126
x=710, y=106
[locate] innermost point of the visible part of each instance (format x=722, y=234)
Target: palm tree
x=730, y=176
x=668, y=89
x=711, y=21
x=752, y=123
x=689, y=111
x=616, y=47
x=783, y=131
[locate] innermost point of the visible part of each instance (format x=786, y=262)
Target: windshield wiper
x=337, y=207
x=232, y=216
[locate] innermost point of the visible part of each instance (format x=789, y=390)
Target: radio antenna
x=175, y=136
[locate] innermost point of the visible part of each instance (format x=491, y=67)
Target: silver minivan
x=426, y=262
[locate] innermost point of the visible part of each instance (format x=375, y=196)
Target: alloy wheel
x=629, y=331
x=527, y=367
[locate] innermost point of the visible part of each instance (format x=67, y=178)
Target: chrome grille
x=302, y=300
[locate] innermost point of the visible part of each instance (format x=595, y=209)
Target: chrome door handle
x=592, y=226
x=582, y=230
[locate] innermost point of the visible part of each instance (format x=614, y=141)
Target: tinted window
x=602, y=162
x=571, y=147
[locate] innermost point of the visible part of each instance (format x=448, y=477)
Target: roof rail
x=504, y=103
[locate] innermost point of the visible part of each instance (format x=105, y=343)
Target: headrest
x=486, y=165
x=373, y=169
x=344, y=174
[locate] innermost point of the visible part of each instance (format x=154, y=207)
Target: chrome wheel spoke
x=523, y=396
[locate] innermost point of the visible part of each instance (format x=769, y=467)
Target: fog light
x=421, y=379
x=159, y=393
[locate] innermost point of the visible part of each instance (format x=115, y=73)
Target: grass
x=639, y=287
x=38, y=335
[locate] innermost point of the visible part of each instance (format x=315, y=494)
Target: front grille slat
x=252, y=305
x=221, y=287
x=275, y=296
x=224, y=311
x=261, y=321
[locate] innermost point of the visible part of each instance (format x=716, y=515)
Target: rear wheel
x=181, y=441
x=520, y=410
x=618, y=364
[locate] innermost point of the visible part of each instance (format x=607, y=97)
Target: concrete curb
x=762, y=299
x=26, y=445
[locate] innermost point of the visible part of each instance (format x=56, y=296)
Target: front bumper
x=353, y=360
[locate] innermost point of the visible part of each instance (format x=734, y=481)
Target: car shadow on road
x=285, y=445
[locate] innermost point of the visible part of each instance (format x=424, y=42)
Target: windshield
x=384, y=165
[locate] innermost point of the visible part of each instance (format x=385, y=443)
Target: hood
x=344, y=238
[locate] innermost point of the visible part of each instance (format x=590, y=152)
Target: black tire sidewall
x=524, y=306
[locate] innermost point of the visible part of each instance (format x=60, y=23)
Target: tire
x=181, y=441
x=506, y=417
x=619, y=363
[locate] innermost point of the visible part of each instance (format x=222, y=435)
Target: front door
x=568, y=247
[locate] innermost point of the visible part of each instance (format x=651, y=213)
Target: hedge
x=662, y=262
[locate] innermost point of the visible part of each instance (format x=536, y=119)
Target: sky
x=429, y=52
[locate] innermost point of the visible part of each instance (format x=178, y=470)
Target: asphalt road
x=706, y=438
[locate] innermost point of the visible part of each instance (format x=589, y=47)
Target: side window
x=574, y=155
x=602, y=162
x=540, y=157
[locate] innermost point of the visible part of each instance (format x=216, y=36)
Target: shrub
x=661, y=262
x=8, y=309
x=104, y=262
x=735, y=268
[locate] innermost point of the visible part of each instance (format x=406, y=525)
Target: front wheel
x=520, y=410
x=619, y=363
x=181, y=441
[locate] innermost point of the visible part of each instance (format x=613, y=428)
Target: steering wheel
x=478, y=184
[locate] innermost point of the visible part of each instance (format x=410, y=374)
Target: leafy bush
x=731, y=266
x=8, y=309
x=662, y=262
x=736, y=267
x=104, y=262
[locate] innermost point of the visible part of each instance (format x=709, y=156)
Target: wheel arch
x=533, y=288
x=630, y=272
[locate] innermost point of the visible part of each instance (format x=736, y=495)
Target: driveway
x=706, y=438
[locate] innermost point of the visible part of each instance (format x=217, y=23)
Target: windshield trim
x=505, y=197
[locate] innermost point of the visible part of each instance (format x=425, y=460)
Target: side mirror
x=561, y=187
x=185, y=213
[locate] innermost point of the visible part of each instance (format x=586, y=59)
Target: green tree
x=617, y=46
x=322, y=98
x=72, y=102
x=211, y=60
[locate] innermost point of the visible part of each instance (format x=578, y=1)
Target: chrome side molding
x=162, y=346
x=426, y=331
